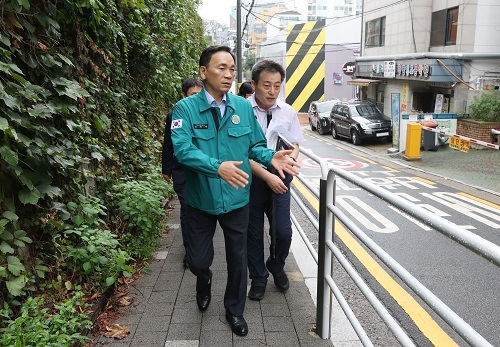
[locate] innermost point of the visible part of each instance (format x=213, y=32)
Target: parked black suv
x=319, y=115
x=359, y=120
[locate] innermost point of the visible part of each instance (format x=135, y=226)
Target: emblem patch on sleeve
x=176, y=124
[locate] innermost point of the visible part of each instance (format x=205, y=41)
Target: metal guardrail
x=327, y=249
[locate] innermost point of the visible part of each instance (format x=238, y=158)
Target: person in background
x=246, y=90
x=215, y=134
x=170, y=167
x=267, y=188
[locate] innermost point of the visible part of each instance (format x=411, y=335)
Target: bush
x=139, y=205
x=42, y=324
x=89, y=251
x=487, y=107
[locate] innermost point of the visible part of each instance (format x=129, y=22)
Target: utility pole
x=238, y=41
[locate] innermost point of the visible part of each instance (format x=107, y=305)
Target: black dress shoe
x=204, y=296
x=257, y=290
x=238, y=324
x=281, y=281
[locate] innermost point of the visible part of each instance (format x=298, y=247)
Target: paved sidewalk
x=164, y=311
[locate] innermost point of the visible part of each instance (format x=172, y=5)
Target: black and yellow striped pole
x=305, y=64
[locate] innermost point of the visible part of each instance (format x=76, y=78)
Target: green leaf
x=69, y=88
x=5, y=248
x=10, y=216
x=26, y=181
x=110, y=281
x=14, y=265
x=78, y=220
x=7, y=68
x=97, y=155
x=4, y=124
x=49, y=190
x=40, y=111
x=16, y=285
x=4, y=40
x=86, y=266
x=27, y=196
x=11, y=101
x=9, y=155
x=66, y=60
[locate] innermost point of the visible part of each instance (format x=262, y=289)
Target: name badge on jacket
x=201, y=126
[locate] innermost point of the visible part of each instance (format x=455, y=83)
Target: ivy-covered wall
x=84, y=89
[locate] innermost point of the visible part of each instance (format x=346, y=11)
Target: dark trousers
x=180, y=190
x=201, y=230
x=260, y=205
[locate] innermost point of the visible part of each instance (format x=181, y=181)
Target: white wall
x=487, y=33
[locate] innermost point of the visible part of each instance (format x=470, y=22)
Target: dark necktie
x=269, y=115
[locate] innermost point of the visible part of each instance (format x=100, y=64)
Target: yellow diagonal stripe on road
x=425, y=323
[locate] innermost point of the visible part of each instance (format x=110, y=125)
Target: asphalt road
x=463, y=280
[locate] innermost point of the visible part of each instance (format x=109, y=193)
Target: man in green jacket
x=215, y=134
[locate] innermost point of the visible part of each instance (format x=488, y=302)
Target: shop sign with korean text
x=459, y=144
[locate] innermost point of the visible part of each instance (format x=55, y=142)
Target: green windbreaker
x=200, y=147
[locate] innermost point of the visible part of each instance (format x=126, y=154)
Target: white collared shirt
x=283, y=113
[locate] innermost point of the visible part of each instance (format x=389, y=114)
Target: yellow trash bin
x=413, y=136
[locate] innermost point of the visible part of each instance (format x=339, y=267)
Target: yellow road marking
x=365, y=159
x=424, y=180
x=478, y=199
x=425, y=323
x=389, y=168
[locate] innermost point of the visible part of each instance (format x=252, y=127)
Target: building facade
x=434, y=54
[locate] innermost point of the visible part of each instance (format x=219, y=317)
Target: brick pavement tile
x=164, y=296
x=216, y=307
x=275, y=310
x=273, y=295
x=182, y=343
x=216, y=338
x=186, y=315
x=149, y=339
x=213, y=322
x=280, y=339
x=318, y=342
x=129, y=319
x=250, y=343
x=155, y=309
x=255, y=330
x=184, y=332
x=168, y=281
x=253, y=313
x=153, y=323
x=174, y=264
x=147, y=280
x=186, y=300
x=278, y=324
